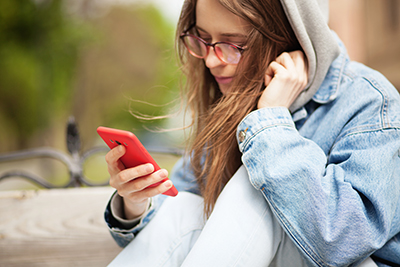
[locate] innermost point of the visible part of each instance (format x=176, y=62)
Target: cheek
x=231, y=69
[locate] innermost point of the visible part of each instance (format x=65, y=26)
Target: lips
x=223, y=80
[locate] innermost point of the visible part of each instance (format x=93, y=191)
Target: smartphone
x=136, y=154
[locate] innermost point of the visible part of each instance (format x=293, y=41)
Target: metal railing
x=74, y=161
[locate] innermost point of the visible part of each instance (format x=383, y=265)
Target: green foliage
x=53, y=65
x=38, y=55
x=133, y=60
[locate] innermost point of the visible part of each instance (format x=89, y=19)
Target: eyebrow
x=226, y=34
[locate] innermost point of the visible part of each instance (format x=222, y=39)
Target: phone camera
x=117, y=142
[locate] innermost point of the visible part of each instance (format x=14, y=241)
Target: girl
x=294, y=159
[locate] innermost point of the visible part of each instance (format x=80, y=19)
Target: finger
x=130, y=174
x=151, y=191
x=269, y=74
x=114, y=154
x=273, y=69
x=296, y=55
x=124, y=181
x=301, y=64
x=296, y=64
x=276, y=66
x=112, y=159
x=299, y=60
x=138, y=184
x=286, y=60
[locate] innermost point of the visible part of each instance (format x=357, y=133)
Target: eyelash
x=205, y=38
x=209, y=39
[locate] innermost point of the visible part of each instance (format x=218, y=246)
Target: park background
x=97, y=60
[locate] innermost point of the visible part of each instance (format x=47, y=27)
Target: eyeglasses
x=226, y=52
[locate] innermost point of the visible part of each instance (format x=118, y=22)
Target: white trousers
x=241, y=231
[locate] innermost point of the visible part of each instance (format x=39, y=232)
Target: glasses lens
x=228, y=53
x=195, y=46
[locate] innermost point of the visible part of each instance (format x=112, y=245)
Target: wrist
x=133, y=210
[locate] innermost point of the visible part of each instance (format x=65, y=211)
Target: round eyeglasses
x=226, y=52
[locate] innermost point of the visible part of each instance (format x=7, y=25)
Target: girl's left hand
x=285, y=79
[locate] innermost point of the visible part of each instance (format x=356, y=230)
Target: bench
x=55, y=227
x=64, y=225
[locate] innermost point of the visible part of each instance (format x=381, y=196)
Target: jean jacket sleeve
x=338, y=203
x=183, y=179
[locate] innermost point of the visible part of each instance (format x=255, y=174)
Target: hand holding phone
x=135, y=155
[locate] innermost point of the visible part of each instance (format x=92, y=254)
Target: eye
x=239, y=42
x=205, y=38
x=203, y=35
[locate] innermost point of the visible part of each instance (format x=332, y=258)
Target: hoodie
x=310, y=26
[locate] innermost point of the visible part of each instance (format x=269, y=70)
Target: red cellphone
x=136, y=154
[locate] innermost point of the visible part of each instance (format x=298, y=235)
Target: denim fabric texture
x=332, y=177
x=330, y=171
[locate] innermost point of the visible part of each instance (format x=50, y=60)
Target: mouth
x=223, y=80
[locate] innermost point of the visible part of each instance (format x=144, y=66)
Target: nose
x=211, y=60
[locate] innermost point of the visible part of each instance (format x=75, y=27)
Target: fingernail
x=149, y=168
x=163, y=174
x=168, y=184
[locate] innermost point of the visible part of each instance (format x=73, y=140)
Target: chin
x=224, y=88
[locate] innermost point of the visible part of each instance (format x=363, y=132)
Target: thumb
x=270, y=72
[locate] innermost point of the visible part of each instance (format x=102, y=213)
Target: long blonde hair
x=214, y=152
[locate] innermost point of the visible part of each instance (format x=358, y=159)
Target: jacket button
x=242, y=136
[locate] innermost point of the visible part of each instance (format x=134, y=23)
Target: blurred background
x=91, y=59
x=370, y=30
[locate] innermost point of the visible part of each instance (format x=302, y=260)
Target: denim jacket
x=330, y=171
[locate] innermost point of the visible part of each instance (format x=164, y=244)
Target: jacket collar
x=329, y=89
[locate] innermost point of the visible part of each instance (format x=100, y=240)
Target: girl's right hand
x=285, y=78
x=132, y=184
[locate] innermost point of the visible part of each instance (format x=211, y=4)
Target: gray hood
x=310, y=25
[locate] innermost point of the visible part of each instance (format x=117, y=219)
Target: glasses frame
x=208, y=45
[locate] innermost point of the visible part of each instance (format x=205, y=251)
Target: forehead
x=216, y=19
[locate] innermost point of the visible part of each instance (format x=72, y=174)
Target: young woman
x=295, y=154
